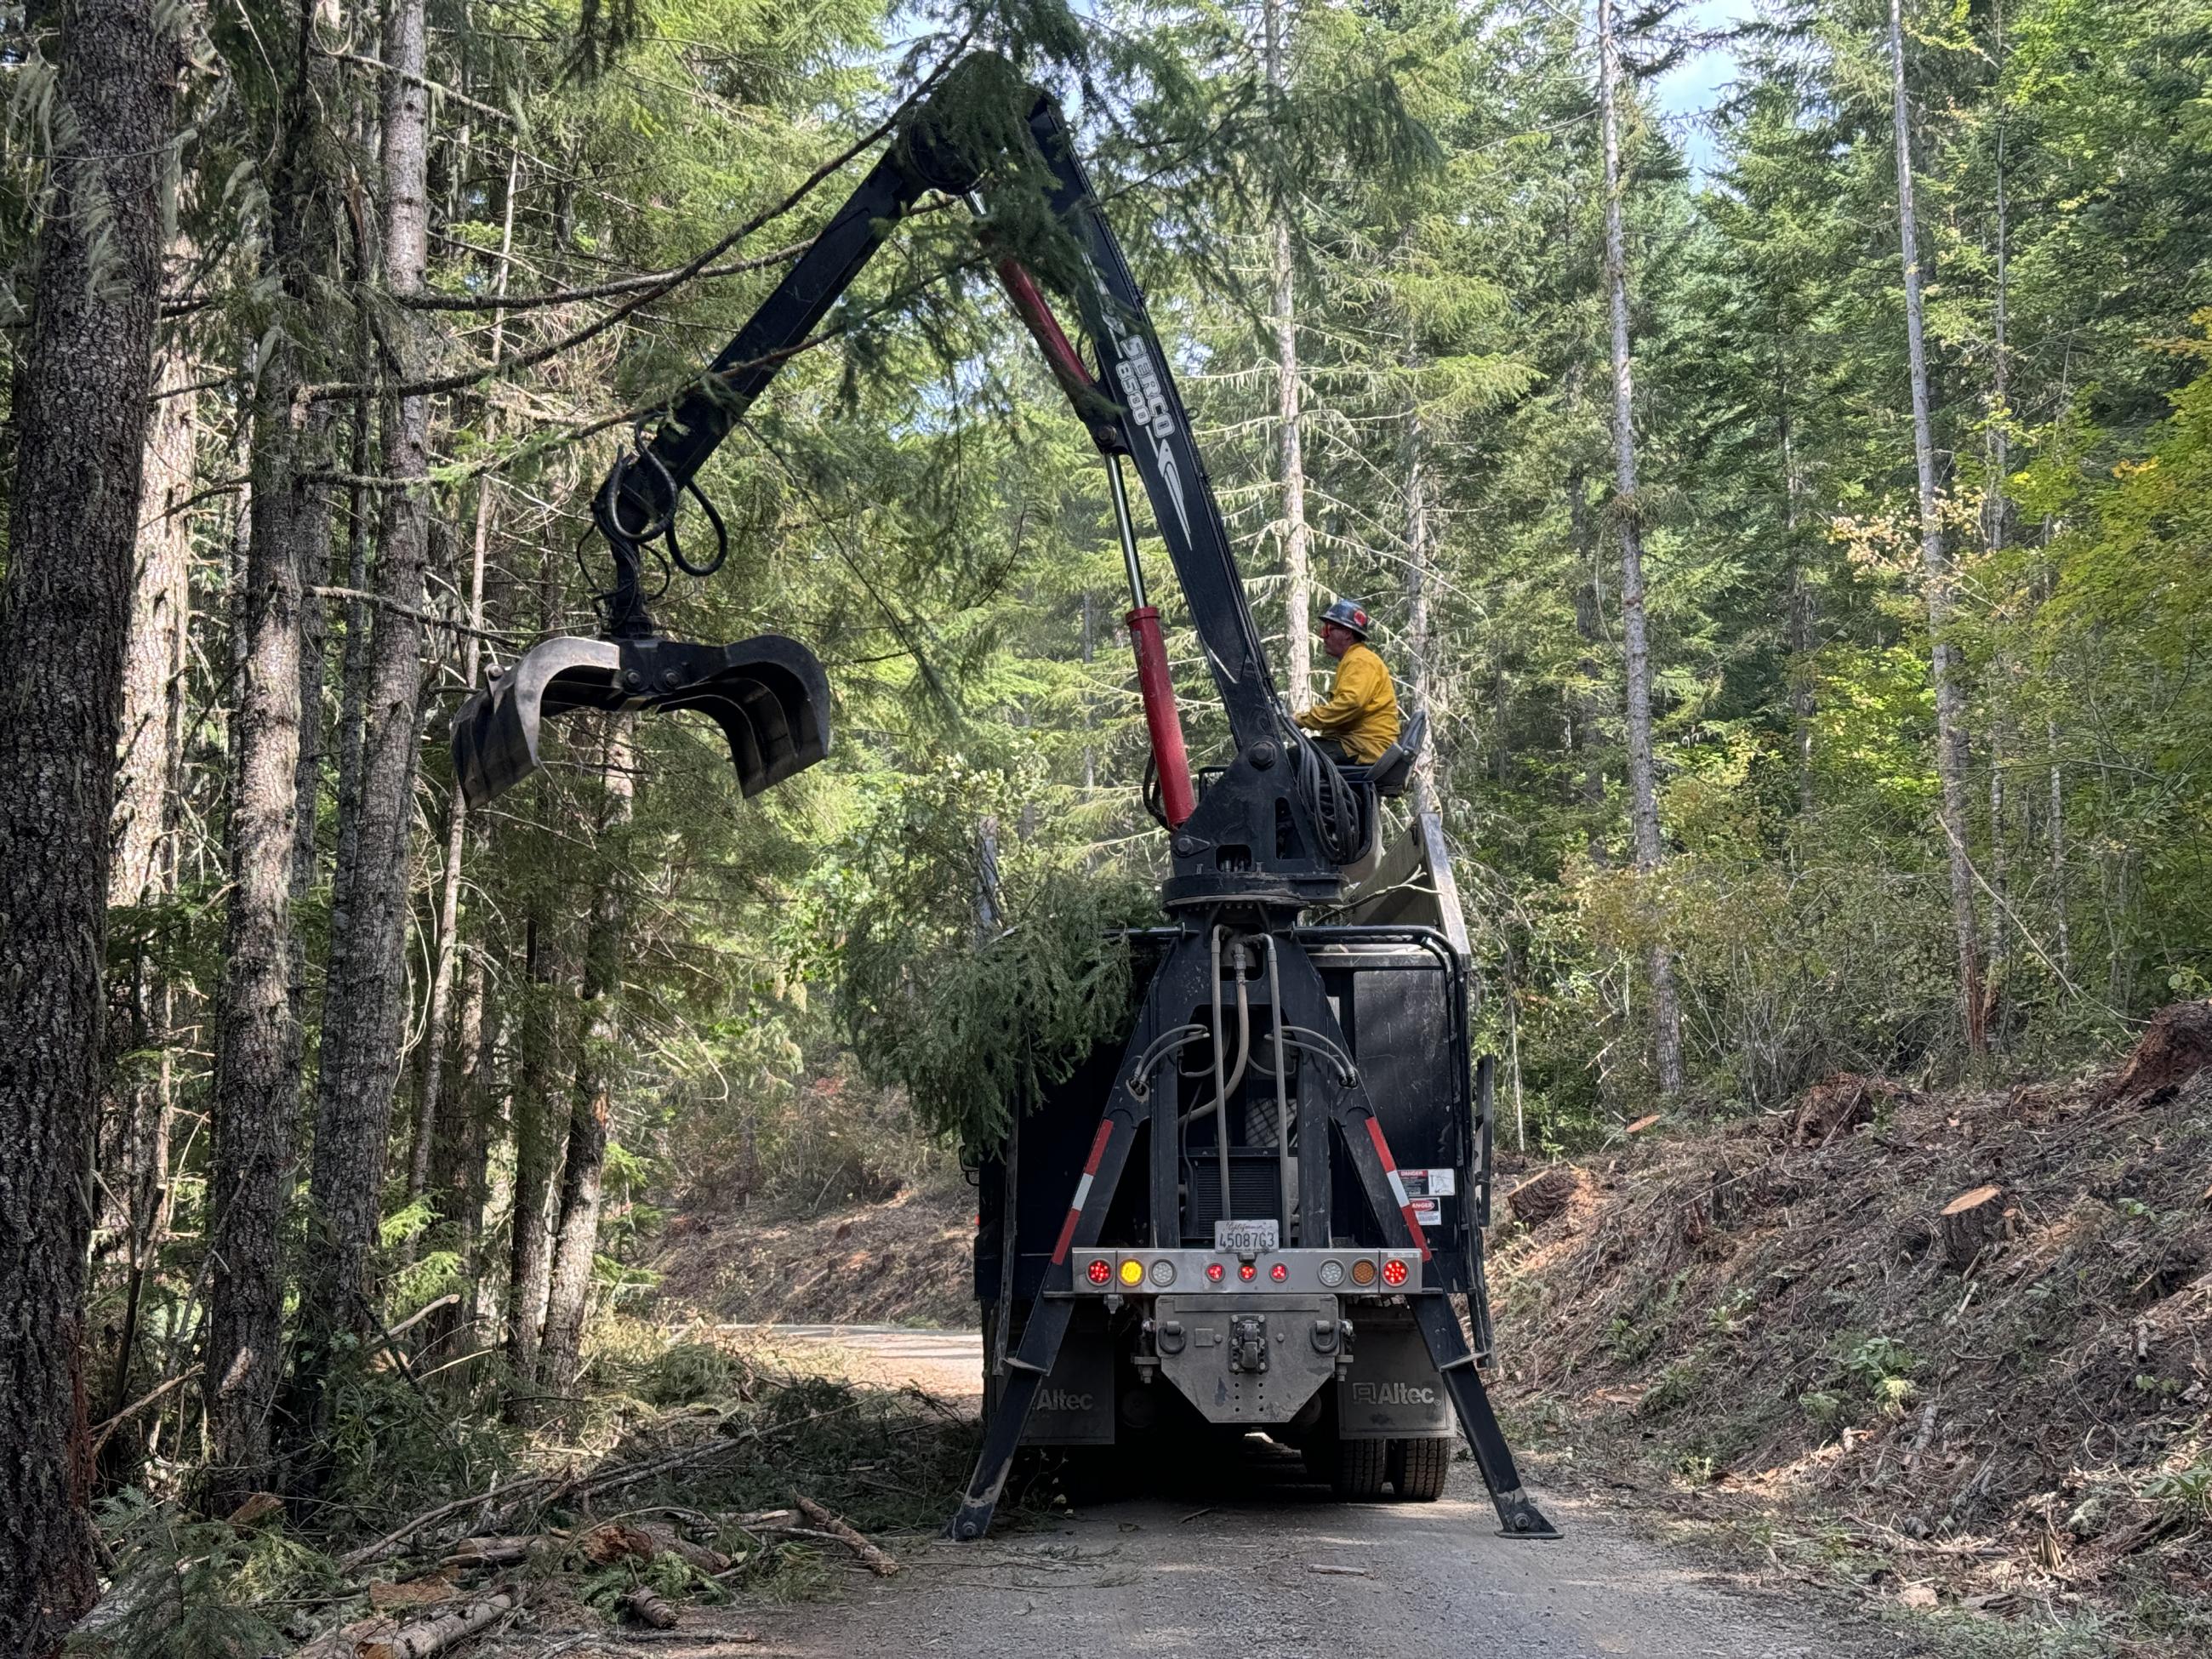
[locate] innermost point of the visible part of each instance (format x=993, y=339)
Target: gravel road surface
x=1249, y=1559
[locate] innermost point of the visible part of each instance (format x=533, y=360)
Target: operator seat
x=1391, y=772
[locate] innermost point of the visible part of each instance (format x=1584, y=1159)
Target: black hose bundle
x=1338, y=814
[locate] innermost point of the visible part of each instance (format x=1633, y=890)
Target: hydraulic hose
x=1244, y=1054
x=1334, y=805
x=1282, y=1088
x=1220, y=1088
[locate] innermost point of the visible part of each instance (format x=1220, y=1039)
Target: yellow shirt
x=1362, y=710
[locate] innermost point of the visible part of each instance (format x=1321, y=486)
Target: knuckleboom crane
x=1265, y=1257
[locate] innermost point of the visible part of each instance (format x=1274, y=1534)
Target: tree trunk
x=160, y=618
x=1644, y=801
x=457, y=1158
x=1802, y=704
x=364, y=1005
x=537, y=1155
x=80, y=422
x=1089, y=643
x=457, y=807
x=1585, y=704
x=1428, y=686
x=2056, y=839
x=257, y=1067
x=134, y=1167
x=1297, y=581
x=597, y=1063
x=1936, y=566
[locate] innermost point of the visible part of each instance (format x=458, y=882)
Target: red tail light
x=1214, y=1272
x=1279, y=1272
x=1247, y=1272
x=1102, y=1273
x=1394, y=1273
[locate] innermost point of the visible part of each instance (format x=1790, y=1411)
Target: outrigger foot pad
x=767, y=694
x=1517, y=1517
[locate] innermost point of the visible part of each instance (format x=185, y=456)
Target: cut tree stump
x=1970, y=1224
x=1545, y=1198
x=2174, y=1047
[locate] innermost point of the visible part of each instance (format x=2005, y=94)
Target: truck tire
x=1361, y=1468
x=1417, y=1468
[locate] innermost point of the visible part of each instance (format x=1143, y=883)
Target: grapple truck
x=1293, y=1308
x=1255, y=1212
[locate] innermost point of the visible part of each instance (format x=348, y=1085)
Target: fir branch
x=330, y=391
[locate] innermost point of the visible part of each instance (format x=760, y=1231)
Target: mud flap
x=767, y=694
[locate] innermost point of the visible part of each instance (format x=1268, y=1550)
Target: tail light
x=1394, y=1273
x=1099, y=1272
x=1279, y=1272
x=1214, y=1273
x=1247, y=1272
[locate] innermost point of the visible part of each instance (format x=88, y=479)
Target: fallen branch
x=878, y=1562
x=374, y=1638
x=384, y=1545
x=492, y=1552
x=101, y=1433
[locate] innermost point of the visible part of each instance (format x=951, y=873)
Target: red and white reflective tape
x=1083, y=1193
x=1397, y=1187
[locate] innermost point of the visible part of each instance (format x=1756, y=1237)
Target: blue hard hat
x=1346, y=615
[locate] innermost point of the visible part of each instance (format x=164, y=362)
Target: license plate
x=1247, y=1237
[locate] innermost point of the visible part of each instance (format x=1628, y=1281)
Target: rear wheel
x=1360, y=1469
x=1417, y=1469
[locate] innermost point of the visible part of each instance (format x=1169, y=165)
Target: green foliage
x=973, y=972
x=198, y=1589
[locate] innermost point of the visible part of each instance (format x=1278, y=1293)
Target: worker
x=1360, y=718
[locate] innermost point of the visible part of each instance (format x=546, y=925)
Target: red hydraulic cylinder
x=1161, y=720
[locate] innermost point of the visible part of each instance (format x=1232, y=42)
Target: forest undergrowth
x=1770, y=1334
x=688, y=1473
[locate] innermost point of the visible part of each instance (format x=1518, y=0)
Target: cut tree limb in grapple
x=1205, y=1232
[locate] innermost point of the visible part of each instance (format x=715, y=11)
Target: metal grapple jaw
x=767, y=694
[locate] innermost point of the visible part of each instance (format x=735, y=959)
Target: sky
x=1691, y=89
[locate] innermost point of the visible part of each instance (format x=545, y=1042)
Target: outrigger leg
x=1353, y=1114
x=1028, y=1366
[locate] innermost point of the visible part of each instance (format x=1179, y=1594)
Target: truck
x=1262, y=1210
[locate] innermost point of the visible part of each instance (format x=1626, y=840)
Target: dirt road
x=1249, y=1559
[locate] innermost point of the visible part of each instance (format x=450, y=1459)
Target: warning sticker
x=1429, y=1183
x=1428, y=1212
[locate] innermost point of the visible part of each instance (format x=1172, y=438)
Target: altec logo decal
x=1065, y=1399
x=1392, y=1394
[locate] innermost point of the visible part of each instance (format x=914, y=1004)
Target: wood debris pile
x=1972, y=1330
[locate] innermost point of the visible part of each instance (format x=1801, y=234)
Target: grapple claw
x=767, y=694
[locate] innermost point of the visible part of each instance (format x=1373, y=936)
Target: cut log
x=260, y=1506
x=377, y=1638
x=878, y=1562
x=1542, y=1200
x=490, y=1551
x=409, y=1594
x=617, y=1540
x=1970, y=1224
x=647, y=1608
